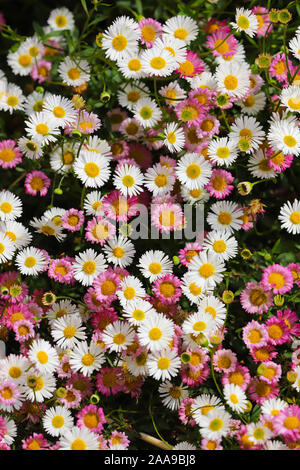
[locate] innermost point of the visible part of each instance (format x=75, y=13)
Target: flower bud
x=246, y=253
x=248, y=407
x=58, y=191
x=76, y=133
x=104, y=97
x=244, y=188
x=278, y=300
x=185, y=358
x=273, y=15
x=228, y=296
x=284, y=16
x=61, y=392
x=176, y=260
x=291, y=376
x=94, y=400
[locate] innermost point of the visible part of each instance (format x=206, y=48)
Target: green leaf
x=39, y=30
x=83, y=3
x=276, y=246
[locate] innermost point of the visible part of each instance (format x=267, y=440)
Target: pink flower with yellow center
x=150, y=30
x=167, y=217
x=277, y=278
x=37, y=182
x=106, y=286
x=220, y=185
x=72, y=220
x=191, y=66
x=61, y=271
x=10, y=155
x=91, y=417
x=255, y=299
x=167, y=289
x=221, y=44
x=287, y=422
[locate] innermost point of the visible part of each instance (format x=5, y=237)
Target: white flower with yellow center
x=74, y=73
x=119, y=251
x=294, y=46
x=41, y=128
x=99, y=146
x=86, y=358
x=154, y=264
x=147, y=112
x=39, y=386
x=193, y=171
x=62, y=158
x=194, y=196
x=48, y=228
x=207, y=268
x=61, y=19
x=10, y=206
x=235, y=397
x=7, y=248
x=31, y=148
x=131, y=66
x=31, y=261
x=253, y=103
x=289, y=216
x=137, y=365
x=67, y=331
x=193, y=290
x=258, y=433
x=159, y=179
x=137, y=311
x=131, y=289
x=245, y=21
x=215, y=424
x=173, y=45
x=20, y=61
x=43, y=356
x=92, y=170
x=158, y=62
x=14, y=368
x=34, y=47
x=131, y=94
x=212, y=305
x=290, y=97
x=221, y=244
x=225, y=215
x=79, y=439
x=57, y=420
x=60, y=109
x=172, y=93
x=88, y=265
x=118, y=335
x=60, y=309
x=156, y=332
x=199, y=323
x=181, y=27
x=128, y=179
x=171, y=395
x=273, y=406
x=121, y=38
x=174, y=137
x=93, y=203
x=233, y=78
x=284, y=136
x=258, y=166
x=205, y=80
x=12, y=99
x=163, y=364
x=203, y=404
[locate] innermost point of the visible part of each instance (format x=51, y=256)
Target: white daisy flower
x=39, y=386
x=131, y=289
x=181, y=27
x=289, y=216
x=31, y=148
x=233, y=78
x=10, y=206
x=68, y=331
x=290, y=97
x=235, y=397
x=129, y=96
x=57, y=420
x=34, y=47
x=43, y=355
x=258, y=433
x=98, y=146
x=48, y=228
x=212, y=305
x=92, y=170
x=128, y=179
x=171, y=395
x=61, y=309
x=119, y=251
x=147, y=112
x=221, y=244
x=193, y=171
x=20, y=61
x=87, y=265
x=294, y=46
x=207, y=268
x=137, y=311
x=158, y=62
x=86, y=358
x=118, y=335
x=273, y=406
x=194, y=196
x=205, y=80
x=176, y=46
x=93, y=203
x=13, y=367
x=193, y=290
x=60, y=109
x=131, y=66
x=62, y=158
x=163, y=364
x=12, y=99
x=137, y=365
x=7, y=248
x=258, y=166
x=74, y=73
x=120, y=39
x=247, y=133
x=203, y=404
x=79, y=439
x=159, y=179
x=39, y=127
x=245, y=21
x=284, y=136
x=156, y=332
x=154, y=264
x=175, y=138
x=253, y=104
x=31, y=261
x=172, y=93
x=225, y=215
x=199, y=323
x=215, y=424
x=61, y=19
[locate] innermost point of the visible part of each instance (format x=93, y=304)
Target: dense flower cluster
x=102, y=292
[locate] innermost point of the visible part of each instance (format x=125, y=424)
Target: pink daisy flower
x=278, y=68
x=119, y=150
x=133, y=385
x=191, y=66
x=150, y=30
x=81, y=383
x=86, y=123
x=35, y=442
x=238, y=376
x=91, y=301
x=216, y=25
x=198, y=358
x=9, y=395
x=208, y=126
x=287, y=422
x=16, y=312
x=263, y=353
x=280, y=162
x=254, y=299
x=270, y=372
x=224, y=360
x=10, y=155
x=187, y=253
x=189, y=111
x=116, y=116
x=103, y=318
x=221, y=45
x=167, y=289
x=220, y=185
x=277, y=278
x=99, y=230
x=259, y=390
x=64, y=370
x=72, y=397
x=102, y=443
x=72, y=220
x=37, y=182
x=204, y=96
x=118, y=207
x=167, y=217
x=140, y=154
x=61, y=270
x=194, y=378
x=291, y=319
x=110, y=380
x=277, y=331
x=92, y=418
x=24, y=330
x=193, y=142
x=106, y=285
x=185, y=411
x=17, y=290
x=255, y=334
x=131, y=128
x=264, y=23
x=118, y=438
x=295, y=270
x=209, y=444
x=41, y=71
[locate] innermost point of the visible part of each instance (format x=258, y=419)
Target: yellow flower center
x=277, y=280
x=221, y=46
x=219, y=183
x=254, y=336
x=167, y=218
x=180, y=33
x=233, y=398
x=158, y=63
x=59, y=112
x=275, y=332
x=138, y=315
x=12, y=101
x=193, y=171
x=223, y=152
x=30, y=262
x=231, y=82
x=224, y=362
x=134, y=65
x=78, y=444
x=291, y=422
x=155, y=334
x=199, y=326
x=119, y=339
x=42, y=129
x=69, y=332
x=118, y=252
x=61, y=21
x=58, y=422
x=257, y=297
x=243, y=22
x=73, y=73
x=88, y=359
x=25, y=60
x=36, y=183
x=108, y=287
x=224, y=218
x=155, y=268
x=194, y=289
x=219, y=246
x=295, y=218
x=206, y=270
x=119, y=42
x=163, y=363
x=15, y=372
x=92, y=169
x=146, y=112
x=89, y=267
x=167, y=289
x=128, y=181
x=236, y=378
x=216, y=424
x=290, y=141
x=42, y=357
x=91, y=420
x=133, y=96
x=148, y=33
x=187, y=68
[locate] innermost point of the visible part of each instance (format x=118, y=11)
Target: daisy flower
x=189, y=111
x=193, y=171
x=172, y=93
x=106, y=286
x=110, y=380
x=31, y=261
x=225, y=215
x=216, y=309
x=20, y=61
x=284, y=136
x=92, y=418
x=61, y=270
x=172, y=395
x=147, y=112
x=150, y=30
x=163, y=364
x=259, y=167
x=220, y=185
x=10, y=155
x=154, y=264
x=221, y=244
x=222, y=151
x=158, y=62
x=233, y=78
x=198, y=323
x=37, y=182
x=41, y=71
x=86, y=358
x=207, y=269
x=60, y=109
x=10, y=206
x=57, y=420
x=131, y=66
x=253, y=104
x=43, y=356
x=224, y=360
x=221, y=44
x=167, y=289
x=128, y=179
x=128, y=97
x=167, y=217
x=255, y=299
x=74, y=73
x=174, y=137
x=155, y=332
x=99, y=230
x=119, y=251
x=39, y=386
x=88, y=265
x=30, y=148
x=121, y=38
x=67, y=331
x=191, y=65
x=118, y=336
x=289, y=216
x=72, y=220
x=40, y=127
x=159, y=179
x=61, y=19
x=193, y=290
x=181, y=27
x=78, y=439
x=235, y=397
x=245, y=21
x=248, y=133
x=7, y=248
x=277, y=278
x=215, y=424
x=92, y=170
x=258, y=433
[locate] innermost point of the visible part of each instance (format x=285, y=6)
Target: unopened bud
x=58, y=191
x=228, y=296
x=185, y=358
x=246, y=253
x=244, y=188
x=176, y=260
x=104, y=97
x=291, y=376
x=284, y=16
x=94, y=399
x=248, y=407
x=39, y=89
x=278, y=300
x=61, y=392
